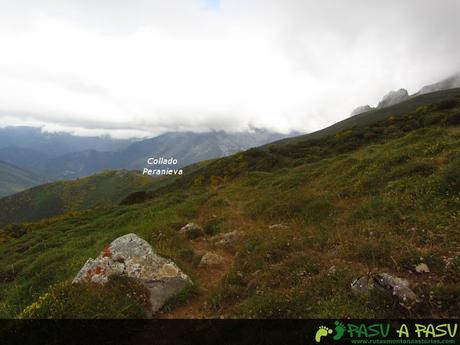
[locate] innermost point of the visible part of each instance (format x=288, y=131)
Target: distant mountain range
x=55, y=144
x=55, y=156
x=401, y=95
x=14, y=179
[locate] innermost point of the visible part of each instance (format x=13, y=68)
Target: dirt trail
x=209, y=279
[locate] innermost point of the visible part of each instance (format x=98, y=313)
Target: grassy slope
x=56, y=198
x=14, y=179
x=373, y=199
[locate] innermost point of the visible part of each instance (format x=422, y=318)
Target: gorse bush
x=292, y=207
x=453, y=119
x=446, y=104
x=119, y=298
x=450, y=180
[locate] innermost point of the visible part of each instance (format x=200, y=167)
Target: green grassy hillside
x=14, y=179
x=310, y=216
x=53, y=199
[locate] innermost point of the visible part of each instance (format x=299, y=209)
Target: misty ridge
x=46, y=156
x=401, y=95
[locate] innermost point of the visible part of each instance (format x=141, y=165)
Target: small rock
x=226, y=239
x=331, y=271
x=192, y=231
x=422, y=268
x=361, y=285
x=211, y=259
x=278, y=226
x=398, y=286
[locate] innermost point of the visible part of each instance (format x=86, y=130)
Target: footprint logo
x=322, y=332
x=339, y=330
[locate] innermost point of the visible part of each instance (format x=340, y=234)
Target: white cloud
x=145, y=67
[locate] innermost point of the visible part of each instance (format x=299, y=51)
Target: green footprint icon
x=339, y=330
x=322, y=332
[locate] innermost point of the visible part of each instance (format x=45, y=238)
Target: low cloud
x=145, y=67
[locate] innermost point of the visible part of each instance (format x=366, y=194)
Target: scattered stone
x=131, y=256
x=422, y=268
x=210, y=260
x=361, y=285
x=399, y=287
x=331, y=271
x=278, y=226
x=226, y=239
x=192, y=231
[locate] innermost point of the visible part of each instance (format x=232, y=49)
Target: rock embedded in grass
x=133, y=257
x=398, y=287
x=226, y=239
x=422, y=268
x=361, y=285
x=192, y=231
x=278, y=226
x=211, y=260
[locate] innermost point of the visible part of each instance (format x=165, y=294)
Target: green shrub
x=413, y=168
x=182, y=297
x=453, y=119
x=453, y=270
x=213, y=226
x=189, y=255
x=293, y=206
x=446, y=104
x=376, y=208
x=450, y=179
x=120, y=297
x=135, y=198
x=14, y=230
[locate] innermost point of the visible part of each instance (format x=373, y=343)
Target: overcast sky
x=143, y=67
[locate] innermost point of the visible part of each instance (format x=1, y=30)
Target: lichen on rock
x=133, y=257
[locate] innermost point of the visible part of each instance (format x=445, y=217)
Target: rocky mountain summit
x=361, y=109
x=393, y=97
x=401, y=95
x=133, y=257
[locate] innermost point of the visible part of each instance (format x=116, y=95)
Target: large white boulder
x=133, y=257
